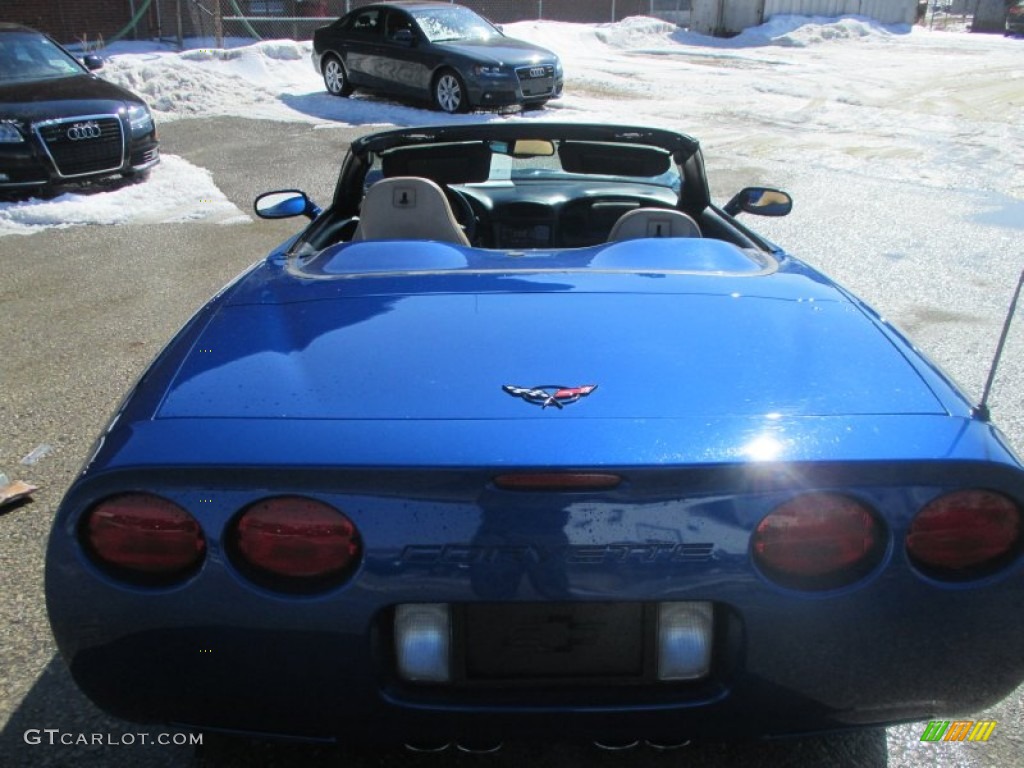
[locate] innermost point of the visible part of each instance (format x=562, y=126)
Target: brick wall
x=70, y=21
x=583, y=11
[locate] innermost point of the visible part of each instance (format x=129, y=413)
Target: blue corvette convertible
x=523, y=435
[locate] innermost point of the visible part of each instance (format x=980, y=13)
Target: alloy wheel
x=448, y=93
x=334, y=78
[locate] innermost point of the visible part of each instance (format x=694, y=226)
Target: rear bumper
x=218, y=652
x=334, y=685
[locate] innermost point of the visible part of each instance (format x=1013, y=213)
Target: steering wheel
x=463, y=210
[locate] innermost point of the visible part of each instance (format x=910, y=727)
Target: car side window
x=395, y=22
x=366, y=24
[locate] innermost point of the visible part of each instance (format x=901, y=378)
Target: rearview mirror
x=533, y=148
x=760, y=201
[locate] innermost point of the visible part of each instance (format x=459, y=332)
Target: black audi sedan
x=435, y=50
x=60, y=123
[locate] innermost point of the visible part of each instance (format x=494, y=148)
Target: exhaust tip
x=426, y=747
x=481, y=748
x=667, y=746
x=615, y=746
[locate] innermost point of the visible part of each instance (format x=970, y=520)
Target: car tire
x=335, y=77
x=449, y=92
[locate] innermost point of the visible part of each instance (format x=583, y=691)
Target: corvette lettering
x=544, y=396
x=598, y=554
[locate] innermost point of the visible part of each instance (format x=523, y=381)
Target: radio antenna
x=981, y=410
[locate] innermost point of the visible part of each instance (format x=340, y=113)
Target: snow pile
x=634, y=32
x=802, y=31
x=176, y=191
x=243, y=82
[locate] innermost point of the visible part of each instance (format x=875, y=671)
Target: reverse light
x=684, y=640
x=818, y=541
x=423, y=642
x=965, y=534
x=295, y=544
x=144, y=538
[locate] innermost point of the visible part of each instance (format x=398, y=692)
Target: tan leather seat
x=408, y=208
x=653, y=222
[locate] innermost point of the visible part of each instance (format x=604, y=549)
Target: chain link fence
x=175, y=20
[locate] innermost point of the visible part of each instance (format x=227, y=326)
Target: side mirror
x=760, y=201
x=404, y=37
x=285, y=204
x=92, y=62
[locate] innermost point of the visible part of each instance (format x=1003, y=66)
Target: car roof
x=9, y=26
x=408, y=5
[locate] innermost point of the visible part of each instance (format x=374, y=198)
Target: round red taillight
x=295, y=542
x=965, y=534
x=818, y=541
x=142, y=537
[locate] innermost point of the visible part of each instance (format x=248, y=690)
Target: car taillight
x=145, y=538
x=964, y=534
x=291, y=542
x=818, y=541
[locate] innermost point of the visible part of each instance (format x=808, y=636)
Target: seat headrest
x=408, y=208
x=654, y=222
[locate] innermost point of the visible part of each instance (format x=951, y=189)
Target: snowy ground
x=939, y=109
x=902, y=146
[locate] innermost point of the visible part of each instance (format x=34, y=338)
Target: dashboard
x=554, y=213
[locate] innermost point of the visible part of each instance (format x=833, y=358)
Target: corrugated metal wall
x=885, y=11
x=730, y=17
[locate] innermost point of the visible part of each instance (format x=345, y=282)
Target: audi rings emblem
x=538, y=72
x=83, y=131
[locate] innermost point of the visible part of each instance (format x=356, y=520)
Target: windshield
x=502, y=163
x=443, y=25
x=506, y=166
x=33, y=57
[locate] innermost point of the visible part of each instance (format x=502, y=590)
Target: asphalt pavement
x=84, y=310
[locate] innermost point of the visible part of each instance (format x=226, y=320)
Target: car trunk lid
x=553, y=346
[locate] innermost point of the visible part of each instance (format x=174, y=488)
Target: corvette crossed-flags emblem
x=557, y=396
